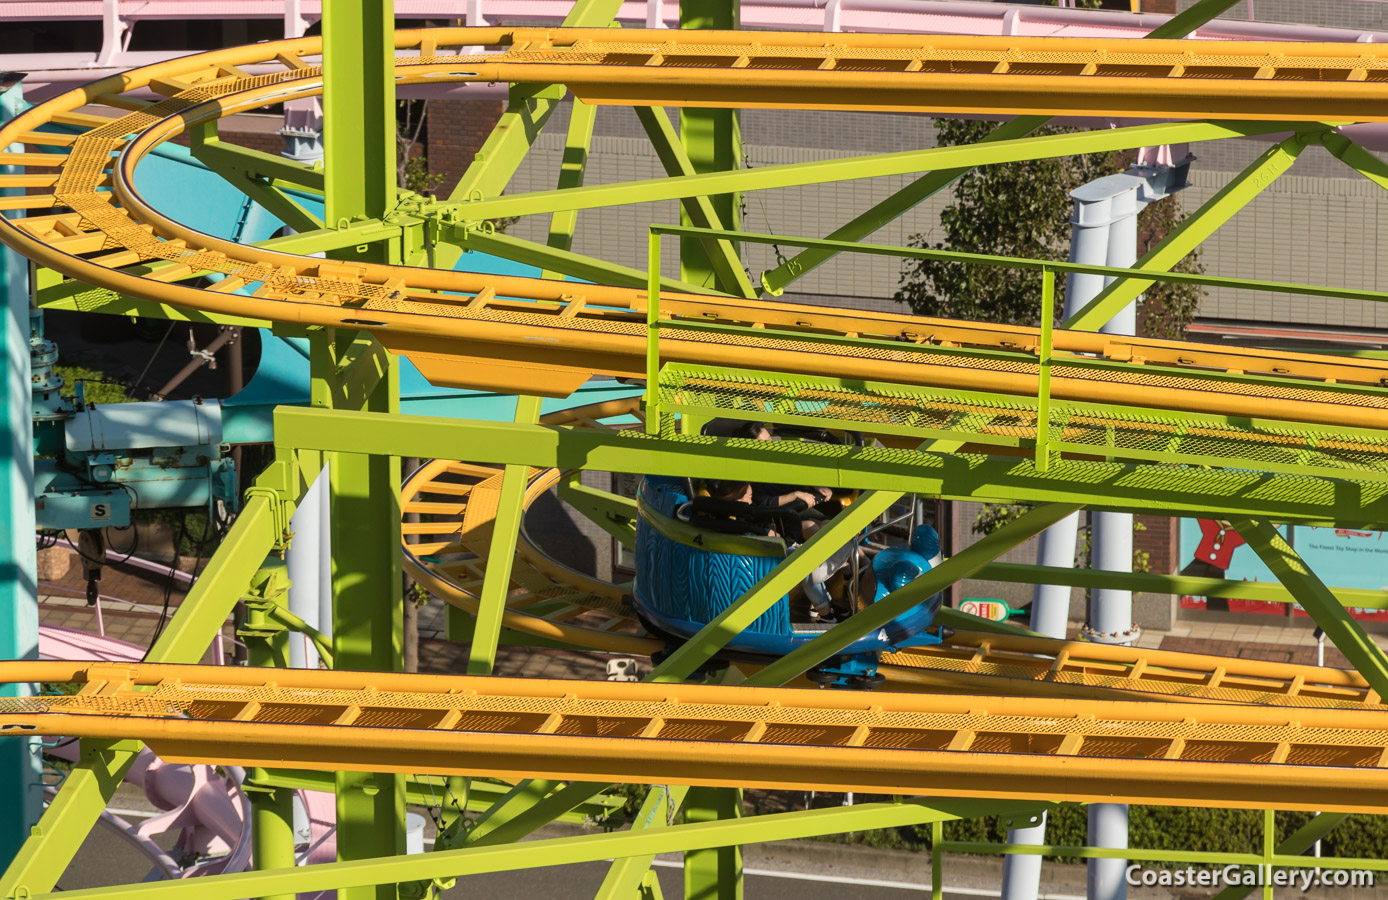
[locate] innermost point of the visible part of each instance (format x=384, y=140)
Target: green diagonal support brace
x=577, y=145
x=1296, y=576
x=1295, y=844
x=94, y=779
x=927, y=186
x=1356, y=157
x=1156, y=583
x=527, y=112
x=1184, y=238
x=700, y=210
x=908, y=162
x=956, y=568
x=760, y=597
x=658, y=810
x=561, y=262
x=501, y=554
x=560, y=851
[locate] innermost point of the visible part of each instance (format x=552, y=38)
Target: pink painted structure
x=208, y=809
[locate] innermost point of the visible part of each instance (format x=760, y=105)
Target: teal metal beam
x=1193, y=230
x=719, y=257
x=21, y=790
x=958, y=567
x=1296, y=576
x=1155, y=489
x=501, y=554
x=444, y=864
x=878, y=165
x=572, y=169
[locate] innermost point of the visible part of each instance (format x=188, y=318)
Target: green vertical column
x=359, y=183
x=716, y=872
x=359, y=114
x=712, y=140
x=272, y=809
x=368, y=633
x=21, y=794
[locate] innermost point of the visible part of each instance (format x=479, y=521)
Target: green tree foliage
x=1023, y=209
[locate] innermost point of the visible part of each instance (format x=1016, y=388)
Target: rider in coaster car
x=729, y=508
x=768, y=495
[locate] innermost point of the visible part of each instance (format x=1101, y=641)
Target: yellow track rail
x=461, y=328
x=1078, y=750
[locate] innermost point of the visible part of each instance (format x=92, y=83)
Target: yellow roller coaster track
x=88, y=221
x=447, y=553
x=1003, y=747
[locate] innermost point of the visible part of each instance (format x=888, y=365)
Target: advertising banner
x=1342, y=557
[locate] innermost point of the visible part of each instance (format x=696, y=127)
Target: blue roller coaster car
x=687, y=575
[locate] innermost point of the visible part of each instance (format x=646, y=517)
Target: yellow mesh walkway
x=1190, y=754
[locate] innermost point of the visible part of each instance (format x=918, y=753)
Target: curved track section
x=86, y=217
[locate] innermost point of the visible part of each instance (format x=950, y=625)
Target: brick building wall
x=456, y=131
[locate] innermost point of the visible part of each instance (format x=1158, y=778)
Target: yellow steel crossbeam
x=1027, y=747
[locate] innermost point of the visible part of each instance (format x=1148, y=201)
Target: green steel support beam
x=529, y=109
x=560, y=262
x=1193, y=230
x=927, y=186
x=1198, y=14
x=360, y=184
x=704, y=212
x=433, y=791
x=577, y=146
x=1357, y=158
x=255, y=174
x=1154, y=583
x=231, y=159
x=559, y=851
x=712, y=140
x=336, y=238
x=628, y=873
x=1294, y=844
x=541, y=812
x=1150, y=489
x=1347, y=634
x=960, y=566
x=612, y=513
x=272, y=828
x=890, y=209
x=906, y=162
x=501, y=554
x=359, y=115
x=713, y=873
x=94, y=779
